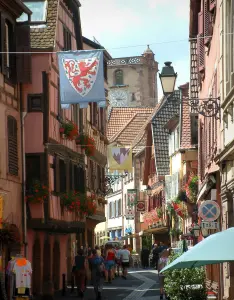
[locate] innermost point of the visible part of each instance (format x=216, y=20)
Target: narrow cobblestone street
x=140, y=284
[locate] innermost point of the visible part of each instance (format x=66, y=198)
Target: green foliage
x=175, y=232
x=178, y=283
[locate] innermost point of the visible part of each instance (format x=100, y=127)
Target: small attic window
x=39, y=11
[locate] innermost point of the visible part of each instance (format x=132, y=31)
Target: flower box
x=68, y=130
x=36, y=210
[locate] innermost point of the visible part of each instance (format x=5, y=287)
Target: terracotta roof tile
x=44, y=38
x=120, y=117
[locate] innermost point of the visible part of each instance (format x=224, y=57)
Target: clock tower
x=133, y=81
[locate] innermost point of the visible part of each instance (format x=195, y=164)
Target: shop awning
x=157, y=230
x=206, y=187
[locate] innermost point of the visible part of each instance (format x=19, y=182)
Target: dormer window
x=39, y=11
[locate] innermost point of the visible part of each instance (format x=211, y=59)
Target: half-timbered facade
x=53, y=160
x=205, y=22
x=11, y=120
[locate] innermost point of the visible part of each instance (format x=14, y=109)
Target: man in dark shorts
x=125, y=257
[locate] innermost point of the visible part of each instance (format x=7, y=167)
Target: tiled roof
x=140, y=140
x=166, y=111
x=44, y=38
x=122, y=117
x=185, y=140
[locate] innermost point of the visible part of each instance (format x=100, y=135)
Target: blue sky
x=120, y=23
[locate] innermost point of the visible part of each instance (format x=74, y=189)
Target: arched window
x=118, y=77
x=12, y=145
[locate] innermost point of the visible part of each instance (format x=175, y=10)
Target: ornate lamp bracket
x=110, y=179
x=207, y=107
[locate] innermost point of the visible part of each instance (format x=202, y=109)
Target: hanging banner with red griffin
x=81, y=77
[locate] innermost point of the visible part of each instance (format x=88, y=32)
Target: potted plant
x=69, y=130
x=191, y=188
x=36, y=195
x=180, y=283
x=9, y=234
x=87, y=143
x=159, y=212
x=79, y=203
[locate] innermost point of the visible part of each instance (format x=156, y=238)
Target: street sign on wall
x=129, y=214
x=210, y=225
x=209, y=211
x=140, y=206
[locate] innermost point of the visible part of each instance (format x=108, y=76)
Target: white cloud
x=109, y=18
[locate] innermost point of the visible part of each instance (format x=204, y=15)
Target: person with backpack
x=97, y=273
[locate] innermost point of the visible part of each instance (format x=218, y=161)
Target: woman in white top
x=125, y=257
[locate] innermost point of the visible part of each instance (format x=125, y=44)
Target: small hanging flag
x=132, y=197
x=120, y=158
x=81, y=77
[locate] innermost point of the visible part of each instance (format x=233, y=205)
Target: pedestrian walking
x=155, y=252
x=118, y=260
x=125, y=258
x=109, y=263
x=145, y=257
x=80, y=271
x=97, y=276
x=163, y=260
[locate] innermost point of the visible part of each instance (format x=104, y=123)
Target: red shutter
x=212, y=5
x=207, y=23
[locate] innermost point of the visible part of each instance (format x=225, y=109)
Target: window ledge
x=119, y=86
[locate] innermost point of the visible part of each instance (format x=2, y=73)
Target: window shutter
x=116, y=208
x=12, y=146
x=212, y=5
x=110, y=213
x=71, y=177
x=3, y=46
x=56, y=174
x=12, y=57
x=62, y=176
x=201, y=53
x=120, y=207
x=200, y=23
x=207, y=23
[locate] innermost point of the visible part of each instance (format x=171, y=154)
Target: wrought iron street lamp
x=168, y=78
x=207, y=107
x=204, y=232
x=196, y=230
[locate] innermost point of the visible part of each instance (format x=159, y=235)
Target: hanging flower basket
x=191, y=188
x=87, y=143
x=68, y=130
x=9, y=234
x=37, y=193
x=159, y=212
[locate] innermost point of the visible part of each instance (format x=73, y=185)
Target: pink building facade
x=11, y=172
x=205, y=84
x=52, y=159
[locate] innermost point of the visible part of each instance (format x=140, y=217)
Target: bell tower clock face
x=118, y=98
